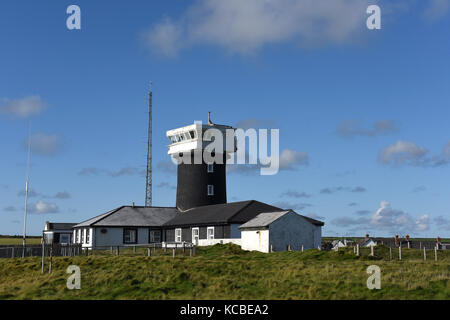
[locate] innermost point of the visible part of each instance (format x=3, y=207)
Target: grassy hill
x=227, y=272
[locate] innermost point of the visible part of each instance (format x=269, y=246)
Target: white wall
x=290, y=229
x=255, y=240
x=211, y=242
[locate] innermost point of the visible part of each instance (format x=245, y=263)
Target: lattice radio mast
x=148, y=185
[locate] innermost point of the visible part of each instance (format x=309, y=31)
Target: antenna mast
x=27, y=183
x=148, y=185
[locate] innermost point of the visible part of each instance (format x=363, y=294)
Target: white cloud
x=45, y=144
x=23, y=107
x=43, y=207
x=408, y=153
x=402, y=152
x=289, y=159
x=245, y=26
x=385, y=219
x=397, y=220
x=352, y=128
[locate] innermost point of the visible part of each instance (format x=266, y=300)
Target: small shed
x=280, y=230
x=58, y=233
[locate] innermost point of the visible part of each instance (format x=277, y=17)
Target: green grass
x=17, y=240
x=226, y=272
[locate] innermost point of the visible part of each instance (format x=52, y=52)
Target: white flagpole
x=27, y=185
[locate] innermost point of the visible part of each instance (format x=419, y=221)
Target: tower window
x=210, y=167
x=210, y=190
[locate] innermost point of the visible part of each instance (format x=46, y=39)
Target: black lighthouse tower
x=201, y=180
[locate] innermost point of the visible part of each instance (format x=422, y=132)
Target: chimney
x=407, y=237
x=396, y=239
x=133, y=204
x=367, y=236
x=438, y=240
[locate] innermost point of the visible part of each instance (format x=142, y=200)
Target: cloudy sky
x=363, y=114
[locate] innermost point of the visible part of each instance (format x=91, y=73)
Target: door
x=195, y=235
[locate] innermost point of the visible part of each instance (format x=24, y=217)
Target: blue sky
x=363, y=112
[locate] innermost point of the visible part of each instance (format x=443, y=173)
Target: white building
x=278, y=230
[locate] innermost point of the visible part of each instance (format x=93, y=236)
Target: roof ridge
x=249, y=203
x=105, y=215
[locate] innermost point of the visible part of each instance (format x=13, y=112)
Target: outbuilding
x=280, y=230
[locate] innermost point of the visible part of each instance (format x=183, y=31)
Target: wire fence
x=38, y=250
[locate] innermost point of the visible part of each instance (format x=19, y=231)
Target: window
x=88, y=236
x=210, y=190
x=82, y=235
x=210, y=167
x=192, y=134
x=64, y=238
x=129, y=235
x=195, y=235
x=210, y=233
x=177, y=235
x=155, y=236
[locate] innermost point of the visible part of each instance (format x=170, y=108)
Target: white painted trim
x=181, y=234
x=198, y=235
x=207, y=233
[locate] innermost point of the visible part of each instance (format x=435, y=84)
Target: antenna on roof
x=209, y=119
x=148, y=184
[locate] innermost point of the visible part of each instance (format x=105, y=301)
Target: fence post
x=12, y=254
x=111, y=250
x=435, y=253
x=271, y=248
x=51, y=259
x=174, y=250
x=134, y=249
x=288, y=247
x=43, y=256
x=318, y=247
x=165, y=246
x=87, y=252
x=190, y=252
x=371, y=251
x=357, y=249
x=420, y=244
x=409, y=247
x=149, y=252
x=400, y=253
x=184, y=247
x=303, y=248
x=424, y=254
x=117, y=251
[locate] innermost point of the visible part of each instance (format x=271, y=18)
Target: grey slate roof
x=128, y=216
x=60, y=226
x=263, y=219
x=225, y=213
